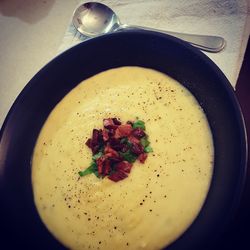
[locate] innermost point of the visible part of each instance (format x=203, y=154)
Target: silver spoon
x=93, y=19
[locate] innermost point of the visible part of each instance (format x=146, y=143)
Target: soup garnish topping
x=116, y=147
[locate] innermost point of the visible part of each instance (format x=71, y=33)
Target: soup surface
x=159, y=199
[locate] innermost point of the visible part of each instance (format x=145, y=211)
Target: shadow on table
x=29, y=11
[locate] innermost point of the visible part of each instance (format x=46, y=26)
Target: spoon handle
x=206, y=43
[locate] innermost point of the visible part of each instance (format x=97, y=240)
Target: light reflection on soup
x=159, y=200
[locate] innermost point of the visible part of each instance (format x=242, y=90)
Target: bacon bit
x=116, y=121
x=138, y=133
x=109, y=124
x=110, y=152
x=124, y=148
x=106, y=167
x=124, y=166
x=137, y=149
x=89, y=143
x=133, y=140
x=123, y=131
x=115, y=144
x=95, y=135
x=111, y=132
x=131, y=123
x=100, y=137
x=100, y=162
x=142, y=157
x=95, y=149
x=115, y=159
x=118, y=176
x=105, y=135
x=96, y=141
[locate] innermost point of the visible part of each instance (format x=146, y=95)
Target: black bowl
x=20, y=223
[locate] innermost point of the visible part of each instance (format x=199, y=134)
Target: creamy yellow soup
x=159, y=199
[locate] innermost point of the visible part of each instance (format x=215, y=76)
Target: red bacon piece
x=118, y=176
x=124, y=166
x=115, y=144
x=105, y=135
x=100, y=162
x=123, y=131
x=109, y=123
x=142, y=157
x=133, y=140
x=137, y=149
x=116, y=121
x=109, y=152
x=138, y=133
x=96, y=141
x=89, y=143
x=106, y=167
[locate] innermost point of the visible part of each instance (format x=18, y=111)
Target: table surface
x=20, y=38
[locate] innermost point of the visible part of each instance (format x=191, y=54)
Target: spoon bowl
x=94, y=19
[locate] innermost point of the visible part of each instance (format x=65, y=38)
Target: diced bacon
x=138, y=133
x=100, y=162
x=96, y=141
x=109, y=152
x=124, y=148
x=105, y=135
x=142, y=157
x=109, y=123
x=118, y=176
x=115, y=159
x=137, y=149
x=100, y=137
x=124, y=166
x=106, y=167
x=111, y=132
x=123, y=131
x=116, y=121
x=115, y=144
x=95, y=135
x=89, y=143
x=95, y=149
x=133, y=140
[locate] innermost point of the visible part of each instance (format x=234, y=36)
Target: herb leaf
x=139, y=124
x=96, y=156
x=91, y=169
x=148, y=149
x=144, y=141
x=128, y=156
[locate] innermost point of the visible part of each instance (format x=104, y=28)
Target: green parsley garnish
x=92, y=169
x=144, y=141
x=148, y=149
x=128, y=156
x=97, y=156
x=139, y=124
